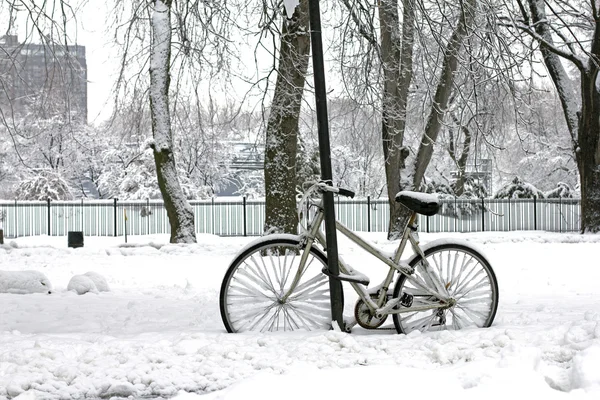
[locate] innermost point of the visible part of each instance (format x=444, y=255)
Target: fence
x=246, y=217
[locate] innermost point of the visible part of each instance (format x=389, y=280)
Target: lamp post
x=335, y=285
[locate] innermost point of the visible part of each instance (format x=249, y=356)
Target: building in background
x=48, y=79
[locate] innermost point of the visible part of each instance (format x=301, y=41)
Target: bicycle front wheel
x=470, y=283
x=266, y=289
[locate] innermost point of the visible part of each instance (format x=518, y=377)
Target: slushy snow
x=158, y=331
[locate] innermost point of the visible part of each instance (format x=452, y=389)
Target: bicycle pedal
x=406, y=299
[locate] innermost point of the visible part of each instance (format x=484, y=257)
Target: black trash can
x=75, y=239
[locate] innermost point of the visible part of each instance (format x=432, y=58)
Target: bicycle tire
x=468, y=278
x=254, y=284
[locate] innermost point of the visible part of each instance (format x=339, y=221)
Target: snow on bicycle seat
x=422, y=203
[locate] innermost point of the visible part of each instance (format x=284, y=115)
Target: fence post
x=535, y=213
x=212, y=212
x=148, y=215
x=82, y=217
x=509, y=216
x=456, y=214
x=560, y=213
x=244, y=212
x=48, y=200
x=16, y=220
x=115, y=215
x=482, y=215
x=368, y=213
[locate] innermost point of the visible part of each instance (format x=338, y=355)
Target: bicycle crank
x=365, y=317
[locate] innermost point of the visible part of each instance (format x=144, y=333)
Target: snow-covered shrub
x=561, y=191
x=24, y=282
x=442, y=189
x=129, y=174
x=44, y=185
x=99, y=281
x=82, y=284
x=90, y=282
x=517, y=189
x=473, y=189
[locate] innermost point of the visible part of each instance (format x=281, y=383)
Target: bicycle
x=280, y=281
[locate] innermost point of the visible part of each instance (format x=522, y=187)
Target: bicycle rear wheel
x=254, y=287
x=470, y=282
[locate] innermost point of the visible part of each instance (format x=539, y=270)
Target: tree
x=181, y=217
x=281, y=144
x=397, y=65
x=395, y=47
x=570, y=32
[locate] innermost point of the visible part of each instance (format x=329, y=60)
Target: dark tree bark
x=282, y=128
x=181, y=217
x=396, y=54
x=581, y=117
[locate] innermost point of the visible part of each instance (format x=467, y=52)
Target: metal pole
x=335, y=285
x=82, y=217
x=368, y=213
x=535, y=213
x=244, y=204
x=482, y=215
x=115, y=216
x=48, y=200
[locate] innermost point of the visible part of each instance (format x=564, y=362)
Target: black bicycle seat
x=422, y=203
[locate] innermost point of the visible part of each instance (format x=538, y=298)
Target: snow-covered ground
x=158, y=331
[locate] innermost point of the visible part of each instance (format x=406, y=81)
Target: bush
x=518, y=189
x=44, y=185
x=562, y=191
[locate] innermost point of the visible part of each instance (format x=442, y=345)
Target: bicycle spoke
x=269, y=291
x=469, y=282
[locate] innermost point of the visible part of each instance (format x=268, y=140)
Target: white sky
x=101, y=61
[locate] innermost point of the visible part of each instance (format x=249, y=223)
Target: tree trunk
x=460, y=160
x=282, y=128
x=178, y=209
x=396, y=53
x=582, y=120
x=588, y=152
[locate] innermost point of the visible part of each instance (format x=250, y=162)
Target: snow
x=82, y=284
x=98, y=280
x=290, y=6
x=24, y=282
x=419, y=196
x=158, y=331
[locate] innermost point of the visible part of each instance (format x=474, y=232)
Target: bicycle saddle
x=422, y=203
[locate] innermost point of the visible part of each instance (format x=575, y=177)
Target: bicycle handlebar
x=324, y=187
x=346, y=193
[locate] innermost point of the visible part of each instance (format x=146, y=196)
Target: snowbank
x=158, y=331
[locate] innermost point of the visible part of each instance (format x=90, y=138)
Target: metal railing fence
x=243, y=217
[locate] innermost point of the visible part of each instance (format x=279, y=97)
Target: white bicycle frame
x=379, y=306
